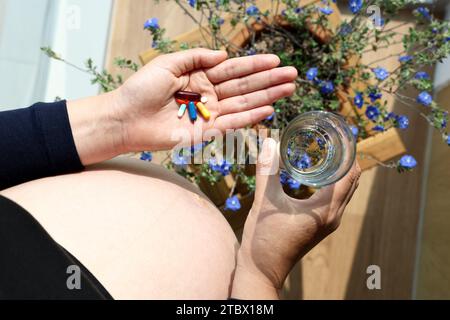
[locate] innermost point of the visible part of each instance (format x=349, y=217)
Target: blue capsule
x=192, y=111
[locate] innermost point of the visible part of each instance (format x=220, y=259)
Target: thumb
x=341, y=191
x=267, y=168
x=184, y=61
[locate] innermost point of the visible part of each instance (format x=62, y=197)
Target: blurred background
x=400, y=223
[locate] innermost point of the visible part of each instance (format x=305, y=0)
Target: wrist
x=96, y=131
x=249, y=283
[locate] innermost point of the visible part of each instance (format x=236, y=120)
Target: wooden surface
x=380, y=224
x=238, y=34
x=434, y=263
x=128, y=37
x=382, y=147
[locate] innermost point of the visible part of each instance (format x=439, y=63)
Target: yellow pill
x=203, y=111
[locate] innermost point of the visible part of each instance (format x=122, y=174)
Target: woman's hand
x=280, y=230
x=142, y=114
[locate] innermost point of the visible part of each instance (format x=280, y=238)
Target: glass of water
x=317, y=148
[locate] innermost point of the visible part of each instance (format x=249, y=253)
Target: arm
x=142, y=114
x=280, y=230
x=36, y=142
x=50, y=139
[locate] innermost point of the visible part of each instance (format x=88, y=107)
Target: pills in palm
x=192, y=101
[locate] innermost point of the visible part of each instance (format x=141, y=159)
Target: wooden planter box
x=381, y=146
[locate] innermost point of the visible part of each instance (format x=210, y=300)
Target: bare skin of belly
x=143, y=232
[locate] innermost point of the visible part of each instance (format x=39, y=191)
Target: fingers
x=242, y=119
x=345, y=187
x=255, y=99
x=267, y=169
x=256, y=81
x=348, y=197
x=355, y=183
x=242, y=66
x=184, y=61
x=336, y=194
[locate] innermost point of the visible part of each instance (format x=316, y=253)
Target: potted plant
x=327, y=51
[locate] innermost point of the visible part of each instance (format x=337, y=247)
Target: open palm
x=240, y=92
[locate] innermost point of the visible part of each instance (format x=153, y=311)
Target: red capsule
x=187, y=95
x=181, y=101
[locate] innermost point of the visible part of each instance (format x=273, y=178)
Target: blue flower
x=252, y=10
x=448, y=140
x=372, y=113
x=359, y=100
x=311, y=74
x=405, y=59
x=232, y=204
x=294, y=184
x=444, y=120
x=224, y=167
x=326, y=10
x=269, y=118
x=378, y=128
x=389, y=116
x=298, y=10
x=286, y=179
x=346, y=28
x=424, y=12
x=402, y=122
x=154, y=44
x=151, y=24
x=198, y=147
x=251, y=52
x=326, y=87
x=355, y=5
x=355, y=131
x=304, y=162
x=424, y=98
x=407, y=162
x=146, y=156
x=192, y=3
x=214, y=165
x=179, y=159
x=374, y=96
x=421, y=75
x=381, y=73
x=320, y=143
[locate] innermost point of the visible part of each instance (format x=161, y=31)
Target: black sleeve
x=36, y=142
